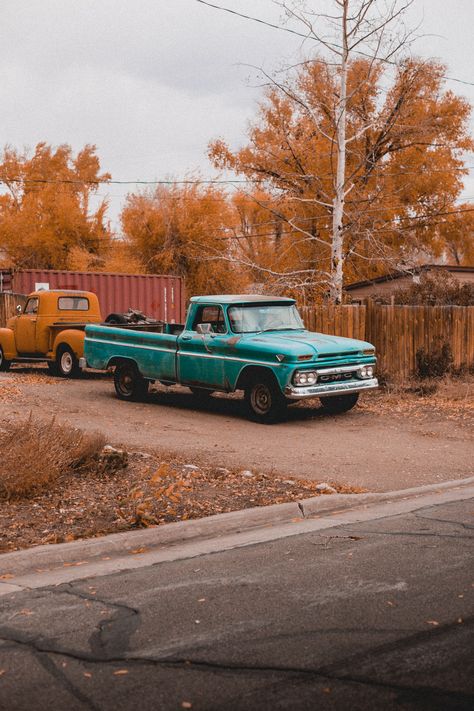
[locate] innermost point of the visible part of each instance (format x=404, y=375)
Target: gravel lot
x=390, y=441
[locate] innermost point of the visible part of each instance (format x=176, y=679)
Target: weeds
x=34, y=454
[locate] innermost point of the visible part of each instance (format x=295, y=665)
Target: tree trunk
x=337, y=246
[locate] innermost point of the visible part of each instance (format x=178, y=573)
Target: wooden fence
x=8, y=304
x=398, y=332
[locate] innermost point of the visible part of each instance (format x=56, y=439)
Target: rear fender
x=120, y=360
x=7, y=342
x=73, y=339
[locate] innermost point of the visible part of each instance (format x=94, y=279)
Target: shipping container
x=161, y=297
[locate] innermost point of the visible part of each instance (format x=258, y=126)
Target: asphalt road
x=376, y=451
x=376, y=615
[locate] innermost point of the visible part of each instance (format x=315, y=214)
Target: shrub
x=434, y=363
x=436, y=288
x=35, y=453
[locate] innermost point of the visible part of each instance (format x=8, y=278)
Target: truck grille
x=336, y=377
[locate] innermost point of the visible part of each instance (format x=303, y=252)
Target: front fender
x=7, y=342
x=73, y=339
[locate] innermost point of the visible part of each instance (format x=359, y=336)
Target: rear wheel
x=4, y=364
x=264, y=400
x=129, y=383
x=67, y=365
x=339, y=403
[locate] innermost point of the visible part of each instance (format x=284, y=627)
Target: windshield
x=256, y=318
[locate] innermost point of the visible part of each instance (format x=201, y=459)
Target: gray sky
x=151, y=82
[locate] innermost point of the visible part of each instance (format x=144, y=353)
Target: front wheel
x=264, y=400
x=67, y=365
x=338, y=404
x=129, y=383
x=4, y=364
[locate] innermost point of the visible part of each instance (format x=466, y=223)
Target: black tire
x=129, y=383
x=4, y=364
x=264, y=400
x=337, y=404
x=52, y=367
x=67, y=365
x=116, y=319
x=201, y=393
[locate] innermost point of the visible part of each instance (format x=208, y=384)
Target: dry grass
x=34, y=454
x=450, y=397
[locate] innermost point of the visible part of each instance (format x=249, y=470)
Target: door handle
x=186, y=338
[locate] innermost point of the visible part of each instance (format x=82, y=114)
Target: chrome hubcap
x=66, y=362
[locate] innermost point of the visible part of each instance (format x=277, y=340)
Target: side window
x=31, y=307
x=213, y=315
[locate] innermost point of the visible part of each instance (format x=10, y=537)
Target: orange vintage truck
x=50, y=328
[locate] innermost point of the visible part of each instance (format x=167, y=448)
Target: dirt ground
x=392, y=440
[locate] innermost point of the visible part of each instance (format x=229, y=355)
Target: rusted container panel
x=161, y=297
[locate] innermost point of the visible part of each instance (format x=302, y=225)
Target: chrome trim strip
x=341, y=369
x=233, y=358
x=132, y=345
x=179, y=353
x=298, y=393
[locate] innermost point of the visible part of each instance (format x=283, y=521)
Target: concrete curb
x=46, y=559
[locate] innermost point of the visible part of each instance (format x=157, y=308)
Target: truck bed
x=153, y=352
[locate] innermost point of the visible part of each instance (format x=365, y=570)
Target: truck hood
x=305, y=342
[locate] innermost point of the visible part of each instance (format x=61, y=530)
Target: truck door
x=25, y=331
x=200, y=356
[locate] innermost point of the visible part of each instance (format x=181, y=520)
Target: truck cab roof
x=241, y=299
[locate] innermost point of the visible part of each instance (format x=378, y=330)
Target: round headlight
x=369, y=371
x=311, y=378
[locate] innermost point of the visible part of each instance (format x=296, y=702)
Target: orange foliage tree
x=405, y=144
x=184, y=230
x=45, y=208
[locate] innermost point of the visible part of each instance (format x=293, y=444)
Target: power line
x=306, y=36
x=128, y=182
x=243, y=181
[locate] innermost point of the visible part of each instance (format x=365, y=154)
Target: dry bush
x=435, y=362
x=436, y=288
x=33, y=454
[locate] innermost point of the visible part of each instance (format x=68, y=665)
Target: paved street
x=376, y=614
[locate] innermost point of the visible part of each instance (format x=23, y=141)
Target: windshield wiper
x=266, y=330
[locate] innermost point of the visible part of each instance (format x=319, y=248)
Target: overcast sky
x=151, y=82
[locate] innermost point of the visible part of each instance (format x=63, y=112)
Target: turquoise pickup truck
x=257, y=344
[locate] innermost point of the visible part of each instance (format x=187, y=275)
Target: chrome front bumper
x=292, y=392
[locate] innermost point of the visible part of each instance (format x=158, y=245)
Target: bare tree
x=369, y=28
x=359, y=147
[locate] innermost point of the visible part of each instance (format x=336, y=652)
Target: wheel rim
x=66, y=362
x=125, y=383
x=261, y=399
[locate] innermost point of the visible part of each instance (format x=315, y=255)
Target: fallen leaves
x=151, y=492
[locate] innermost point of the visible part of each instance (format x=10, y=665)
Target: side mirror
x=204, y=329
x=19, y=310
